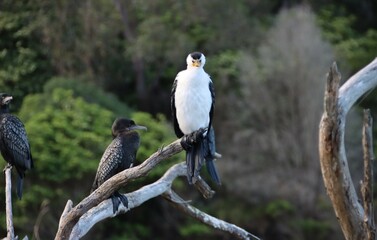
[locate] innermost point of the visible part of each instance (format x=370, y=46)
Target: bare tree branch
x=204, y=188
x=160, y=187
x=76, y=221
x=105, y=210
x=216, y=223
x=8, y=202
x=333, y=159
x=114, y=183
x=367, y=183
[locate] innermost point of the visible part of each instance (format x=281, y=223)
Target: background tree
x=260, y=59
x=22, y=56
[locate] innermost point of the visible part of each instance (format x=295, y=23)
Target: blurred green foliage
x=340, y=27
x=278, y=208
x=90, y=93
x=24, y=63
x=68, y=136
x=313, y=227
x=193, y=228
x=82, y=128
x=72, y=67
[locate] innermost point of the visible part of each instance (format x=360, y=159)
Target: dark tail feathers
x=200, y=150
x=194, y=161
x=20, y=184
x=210, y=150
x=195, y=158
x=118, y=198
x=211, y=169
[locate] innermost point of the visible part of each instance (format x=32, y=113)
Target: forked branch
x=138, y=197
x=71, y=216
x=75, y=222
x=333, y=159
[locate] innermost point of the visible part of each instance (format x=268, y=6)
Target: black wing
x=15, y=145
x=177, y=130
x=119, y=155
x=212, y=90
x=110, y=163
x=209, y=142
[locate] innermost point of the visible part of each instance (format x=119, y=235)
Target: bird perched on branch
x=192, y=105
x=119, y=155
x=14, y=144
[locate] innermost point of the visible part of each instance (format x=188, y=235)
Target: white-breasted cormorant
x=192, y=105
x=14, y=144
x=119, y=155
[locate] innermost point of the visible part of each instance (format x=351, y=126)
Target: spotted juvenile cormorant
x=119, y=155
x=192, y=105
x=14, y=144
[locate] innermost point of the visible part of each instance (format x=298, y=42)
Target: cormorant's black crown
x=121, y=124
x=196, y=55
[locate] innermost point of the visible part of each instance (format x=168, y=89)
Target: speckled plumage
x=118, y=156
x=14, y=144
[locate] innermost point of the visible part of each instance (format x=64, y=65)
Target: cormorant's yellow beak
x=195, y=63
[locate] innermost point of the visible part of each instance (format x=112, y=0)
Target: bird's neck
x=124, y=133
x=4, y=109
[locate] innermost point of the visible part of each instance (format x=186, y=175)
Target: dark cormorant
x=119, y=155
x=192, y=104
x=14, y=144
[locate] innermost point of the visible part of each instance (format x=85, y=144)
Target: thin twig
x=203, y=217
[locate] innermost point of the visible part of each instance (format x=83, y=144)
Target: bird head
x=5, y=99
x=122, y=125
x=196, y=60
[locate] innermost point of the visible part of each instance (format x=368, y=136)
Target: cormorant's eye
x=192, y=61
x=200, y=60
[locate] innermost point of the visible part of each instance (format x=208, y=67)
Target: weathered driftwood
x=105, y=210
x=367, y=183
x=71, y=216
x=160, y=187
x=333, y=159
x=76, y=221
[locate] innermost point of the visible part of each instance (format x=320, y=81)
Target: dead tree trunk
x=8, y=202
x=334, y=166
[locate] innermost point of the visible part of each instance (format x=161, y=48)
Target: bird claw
x=8, y=166
x=189, y=139
x=198, y=135
x=118, y=198
x=186, y=142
